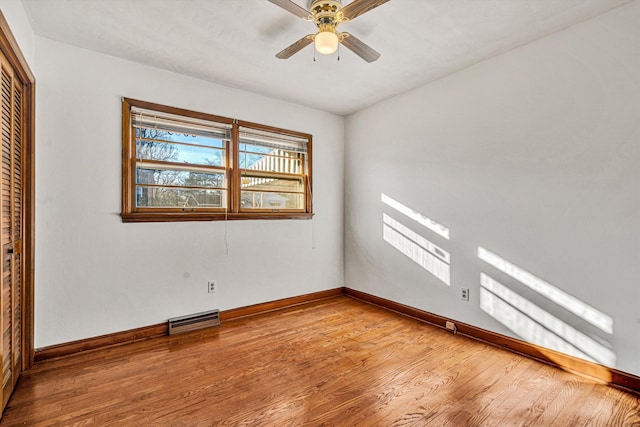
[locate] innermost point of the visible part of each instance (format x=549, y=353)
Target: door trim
x=12, y=52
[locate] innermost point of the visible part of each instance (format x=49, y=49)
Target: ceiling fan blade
x=361, y=49
x=290, y=6
x=295, y=47
x=358, y=7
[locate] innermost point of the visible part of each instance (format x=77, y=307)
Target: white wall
x=96, y=275
x=16, y=16
x=532, y=155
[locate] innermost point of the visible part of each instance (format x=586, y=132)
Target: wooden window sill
x=208, y=216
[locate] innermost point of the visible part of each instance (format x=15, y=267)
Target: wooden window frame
x=233, y=211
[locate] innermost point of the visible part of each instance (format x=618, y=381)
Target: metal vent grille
x=193, y=322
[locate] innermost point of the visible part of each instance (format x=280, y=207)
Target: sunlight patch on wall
x=420, y=250
x=536, y=325
x=416, y=216
x=556, y=295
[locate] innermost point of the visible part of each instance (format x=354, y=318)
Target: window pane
x=181, y=178
x=167, y=152
x=159, y=134
x=254, y=157
x=255, y=183
x=253, y=148
x=261, y=200
x=167, y=197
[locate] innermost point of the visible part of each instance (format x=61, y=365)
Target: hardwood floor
x=336, y=362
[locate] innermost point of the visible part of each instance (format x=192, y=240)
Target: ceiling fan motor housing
x=326, y=13
x=312, y=4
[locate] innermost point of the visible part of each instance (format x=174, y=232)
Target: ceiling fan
x=327, y=15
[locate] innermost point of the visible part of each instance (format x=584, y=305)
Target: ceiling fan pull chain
x=338, y=52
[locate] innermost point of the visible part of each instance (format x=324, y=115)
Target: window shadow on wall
x=536, y=325
x=413, y=245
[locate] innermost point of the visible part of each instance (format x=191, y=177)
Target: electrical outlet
x=464, y=294
x=212, y=286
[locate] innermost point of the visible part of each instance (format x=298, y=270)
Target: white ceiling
x=234, y=42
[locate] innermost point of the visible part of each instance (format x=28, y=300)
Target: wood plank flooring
x=336, y=362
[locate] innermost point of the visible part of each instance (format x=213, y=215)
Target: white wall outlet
x=464, y=294
x=212, y=286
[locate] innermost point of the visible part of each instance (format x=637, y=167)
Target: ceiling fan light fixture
x=326, y=42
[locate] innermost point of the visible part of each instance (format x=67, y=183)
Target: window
x=180, y=165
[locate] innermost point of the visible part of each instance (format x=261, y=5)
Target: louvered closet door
x=11, y=225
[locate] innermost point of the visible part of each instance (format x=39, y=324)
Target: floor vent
x=193, y=322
